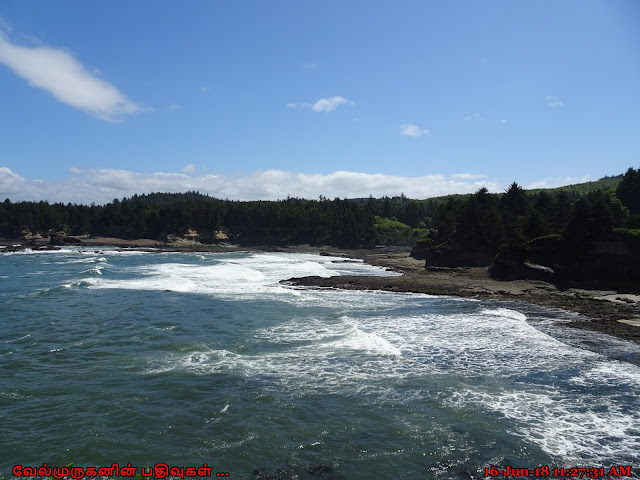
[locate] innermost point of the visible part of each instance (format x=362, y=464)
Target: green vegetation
x=576, y=213
x=604, y=183
x=489, y=222
x=389, y=231
x=592, y=237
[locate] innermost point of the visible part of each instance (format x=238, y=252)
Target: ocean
x=205, y=360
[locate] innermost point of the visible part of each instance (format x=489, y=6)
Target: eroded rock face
x=453, y=254
x=27, y=235
x=61, y=238
x=510, y=265
x=613, y=263
x=419, y=251
x=191, y=237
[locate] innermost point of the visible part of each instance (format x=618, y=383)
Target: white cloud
x=412, y=130
x=504, y=122
x=298, y=105
x=330, y=104
x=554, y=102
x=175, y=108
x=189, y=168
x=558, y=182
x=323, y=104
x=474, y=116
x=466, y=176
x=103, y=185
x=60, y=74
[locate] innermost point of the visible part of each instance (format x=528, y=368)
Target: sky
x=262, y=100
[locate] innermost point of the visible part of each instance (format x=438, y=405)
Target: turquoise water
x=184, y=359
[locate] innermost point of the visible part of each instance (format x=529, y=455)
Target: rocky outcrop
x=213, y=236
x=61, y=238
x=27, y=235
x=187, y=239
x=191, y=236
x=511, y=265
x=611, y=263
x=453, y=254
x=420, y=250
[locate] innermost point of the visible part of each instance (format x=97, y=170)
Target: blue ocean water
x=142, y=358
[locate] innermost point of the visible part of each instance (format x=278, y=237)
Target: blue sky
x=260, y=100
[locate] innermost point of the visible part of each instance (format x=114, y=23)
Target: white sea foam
x=483, y=343
x=85, y=257
x=489, y=359
x=357, y=339
x=611, y=373
x=18, y=339
x=26, y=251
x=572, y=430
x=97, y=270
x=241, y=276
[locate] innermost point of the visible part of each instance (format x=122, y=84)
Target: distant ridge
x=605, y=183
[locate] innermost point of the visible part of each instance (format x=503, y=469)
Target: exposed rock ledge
x=605, y=311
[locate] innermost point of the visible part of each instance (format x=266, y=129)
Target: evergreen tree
x=628, y=190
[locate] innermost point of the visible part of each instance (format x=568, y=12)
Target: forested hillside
x=480, y=221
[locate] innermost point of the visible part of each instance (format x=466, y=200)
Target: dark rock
x=62, y=238
x=420, y=250
x=453, y=254
x=510, y=265
x=612, y=263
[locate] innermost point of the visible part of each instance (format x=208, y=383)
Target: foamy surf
x=240, y=276
x=210, y=356
x=357, y=339
x=564, y=429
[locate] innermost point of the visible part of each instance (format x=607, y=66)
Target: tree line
x=479, y=220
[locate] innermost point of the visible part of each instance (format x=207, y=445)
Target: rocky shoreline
x=613, y=313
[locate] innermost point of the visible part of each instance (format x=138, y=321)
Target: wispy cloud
x=103, y=185
x=554, y=102
x=64, y=77
x=189, y=168
x=299, y=105
x=467, y=176
x=473, y=116
x=4, y=26
x=323, y=104
x=330, y=104
x=175, y=107
x=558, y=182
x=503, y=122
x=410, y=130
